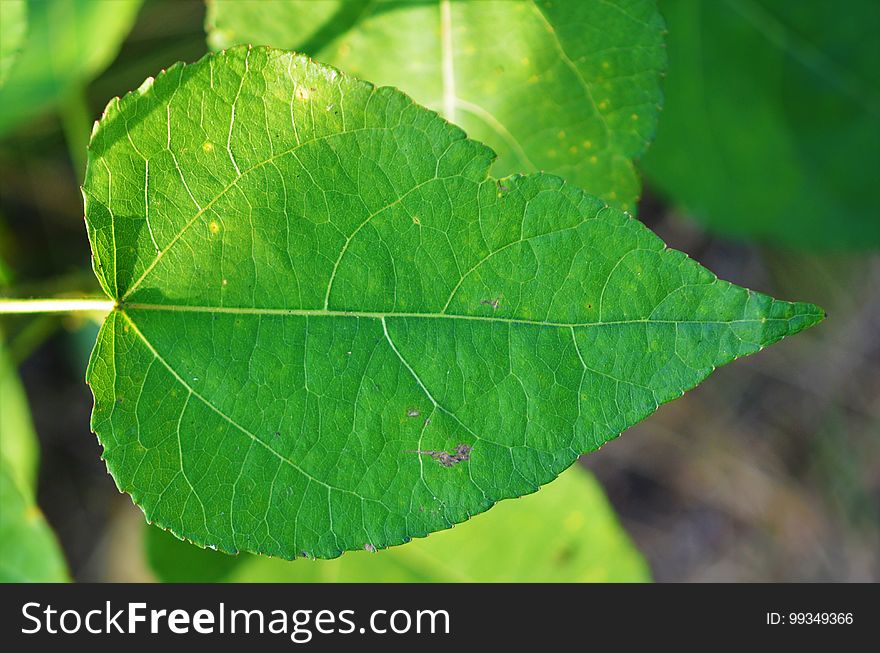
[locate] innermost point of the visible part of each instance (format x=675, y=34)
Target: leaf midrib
x=306, y=312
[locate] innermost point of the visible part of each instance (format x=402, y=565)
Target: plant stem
x=12, y=306
x=76, y=121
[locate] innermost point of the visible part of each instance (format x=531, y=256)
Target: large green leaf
x=68, y=43
x=333, y=329
x=770, y=127
x=13, y=27
x=567, y=532
x=568, y=87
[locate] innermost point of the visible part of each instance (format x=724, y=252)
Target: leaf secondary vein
x=226, y=417
x=226, y=189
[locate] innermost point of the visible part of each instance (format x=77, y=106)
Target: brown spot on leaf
x=461, y=453
x=494, y=303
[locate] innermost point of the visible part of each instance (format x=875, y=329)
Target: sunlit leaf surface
x=335, y=330
x=567, y=87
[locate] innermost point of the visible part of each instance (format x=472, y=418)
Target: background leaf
x=19, y=450
x=335, y=330
x=770, y=123
x=13, y=27
x=568, y=87
x=29, y=552
x=286, y=22
x=507, y=544
x=68, y=42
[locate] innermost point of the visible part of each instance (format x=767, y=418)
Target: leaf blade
x=380, y=302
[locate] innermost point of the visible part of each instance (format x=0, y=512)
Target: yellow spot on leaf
x=603, y=105
x=574, y=521
x=207, y=146
x=214, y=227
x=302, y=93
x=594, y=159
x=587, y=144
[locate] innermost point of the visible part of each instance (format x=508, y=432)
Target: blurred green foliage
x=771, y=124
x=68, y=42
x=13, y=26
x=571, y=88
x=28, y=549
x=29, y=552
x=566, y=532
x=18, y=442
